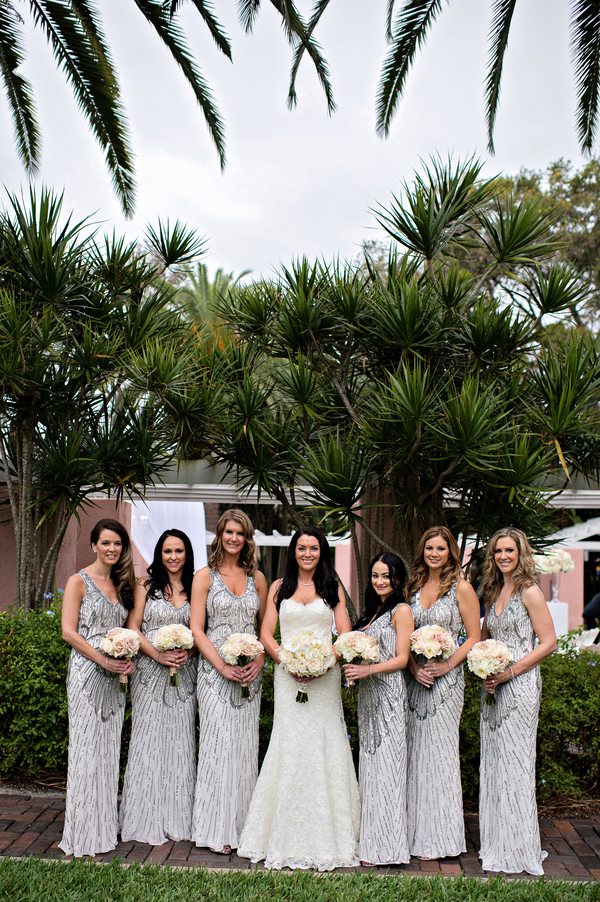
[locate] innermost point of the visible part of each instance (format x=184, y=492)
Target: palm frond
x=206, y=11
x=320, y=7
x=585, y=50
x=76, y=47
x=157, y=14
x=18, y=89
x=247, y=13
x=502, y=14
x=409, y=32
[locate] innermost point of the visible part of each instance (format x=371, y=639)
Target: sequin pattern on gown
x=435, y=811
x=158, y=794
x=508, y=823
x=305, y=811
x=228, y=747
x=96, y=709
x=382, y=771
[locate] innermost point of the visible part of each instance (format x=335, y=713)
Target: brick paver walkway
x=32, y=825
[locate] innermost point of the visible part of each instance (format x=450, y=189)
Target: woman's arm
x=404, y=625
x=340, y=614
x=72, y=598
x=468, y=605
x=200, y=587
x=543, y=626
x=252, y=670
x=269, y=624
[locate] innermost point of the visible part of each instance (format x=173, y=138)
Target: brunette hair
x=522, y=576
x=326, y=585
x=247, y=560
x=122, y=574
x=159, y=582
x=450, y=571
x=373, y=606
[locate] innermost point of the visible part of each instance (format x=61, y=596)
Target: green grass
x=77, y=881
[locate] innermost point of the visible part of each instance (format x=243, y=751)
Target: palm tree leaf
x=501, y=20
x=323, y=72
x=158, y=16
x=205, y=10
x=585, y=49
x=410, y=29
x=87, y=68
x=247, y=13
x=18, y=89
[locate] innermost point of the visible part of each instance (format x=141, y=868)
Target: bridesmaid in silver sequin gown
x=228, y=596
x=437, y=595
x=516, y=613
x=95, y=600
x=158, y=794
x=382, y=716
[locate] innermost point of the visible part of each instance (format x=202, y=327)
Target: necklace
x=304, y=584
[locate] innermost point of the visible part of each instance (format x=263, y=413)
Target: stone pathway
x=32, y=825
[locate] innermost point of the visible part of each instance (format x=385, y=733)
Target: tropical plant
x=395, y=401
x=197, y=295
x=74, y=32
x=78, y=317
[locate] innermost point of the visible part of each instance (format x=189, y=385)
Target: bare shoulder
x=202, y=577
x=465, y=591
x=533, y=597
x=76, y=583
x=260, y=580
x=275, y=586
x=403, y=615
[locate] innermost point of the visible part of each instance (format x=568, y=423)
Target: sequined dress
x=228, y=747
x=435, y=811
x=96, y=709
x=305, y=811
x=158, y=794
x=382, y=772
x=508, y=823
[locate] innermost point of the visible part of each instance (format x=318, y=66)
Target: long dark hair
x=122, y=574
x=159, y=578
x=326, y=585
x=373, y=606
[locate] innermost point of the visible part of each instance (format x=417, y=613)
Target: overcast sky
x=299, y=182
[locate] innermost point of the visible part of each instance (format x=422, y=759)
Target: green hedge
x=34, y=724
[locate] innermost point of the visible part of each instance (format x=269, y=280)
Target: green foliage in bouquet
x=33, y=693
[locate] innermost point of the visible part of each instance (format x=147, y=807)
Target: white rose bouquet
x=306, y=655
x=239, y=650
x=432, y=643
x=121, y=643
x=488, y=658
x=173, y=635
x=554, y=562
x=356, y=648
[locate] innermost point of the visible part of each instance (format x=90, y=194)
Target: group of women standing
x=305, y=809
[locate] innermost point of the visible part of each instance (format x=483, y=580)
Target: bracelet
x=157, y=656
x=370, y=670
x=511, y=670
x=222, y=666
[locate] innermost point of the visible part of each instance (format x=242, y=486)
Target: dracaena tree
x=415, y=396
x=80, y=320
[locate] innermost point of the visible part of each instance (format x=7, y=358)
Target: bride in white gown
x=305, y=811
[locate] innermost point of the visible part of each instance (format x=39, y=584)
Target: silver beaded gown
x=435, y=810
x=305, y=811
x=382, y=711
x=158, y=794
x=508, y=823
x=228, y=747
x=96, y=709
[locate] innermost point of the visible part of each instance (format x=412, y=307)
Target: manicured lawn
x=76, y=881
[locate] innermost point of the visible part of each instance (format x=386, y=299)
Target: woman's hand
x=253, y=669
x=493, y=682
x=357, y=671
x=423, y=677
x=119, y=665
x=233, y=672
x=303, y=680
x=174, y=657
x=437, y=668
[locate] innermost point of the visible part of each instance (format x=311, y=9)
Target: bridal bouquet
x=488, y=658
x=432, y=642
x=306, y=655
x=173, y=635
x=355, y=648
x=239, y=650
x=121, y=643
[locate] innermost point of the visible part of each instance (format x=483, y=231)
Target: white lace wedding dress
x=305, y=811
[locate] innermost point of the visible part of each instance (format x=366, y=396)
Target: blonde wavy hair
x=522, y=576
x=247, y=560
x=450, y=571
